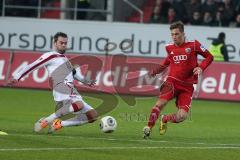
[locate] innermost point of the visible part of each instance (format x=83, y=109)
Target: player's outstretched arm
x=77, y=75
x=157, y=70
x=40, y=62
x=208, y=58
x=89, y=82
x=160, y=68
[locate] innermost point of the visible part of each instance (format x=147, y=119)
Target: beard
x=62, y=51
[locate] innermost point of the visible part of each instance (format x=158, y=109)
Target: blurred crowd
x=225, y=13
x=29, y=8
x=28, y=11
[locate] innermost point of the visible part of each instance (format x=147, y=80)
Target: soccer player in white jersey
x=61, y=76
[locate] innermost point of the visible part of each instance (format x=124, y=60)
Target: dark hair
x=178, y=24
x=221, y=36
x=59, y=34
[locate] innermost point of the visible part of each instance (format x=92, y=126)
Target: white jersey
x=59, y=70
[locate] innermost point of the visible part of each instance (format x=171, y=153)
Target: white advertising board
x=91, y=37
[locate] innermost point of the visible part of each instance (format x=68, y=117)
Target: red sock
x=170, y=117
x=153, y=116
x=75, y=107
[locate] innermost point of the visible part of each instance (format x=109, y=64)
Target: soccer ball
x=108, y=124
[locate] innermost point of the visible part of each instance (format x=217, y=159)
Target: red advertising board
x=125, y=75
x=4, y=63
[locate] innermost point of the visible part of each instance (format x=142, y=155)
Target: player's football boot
x=163, y=126
x=56, y=125
x=146, y=132
x=40, y=124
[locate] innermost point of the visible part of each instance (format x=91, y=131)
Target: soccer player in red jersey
x=184, y=69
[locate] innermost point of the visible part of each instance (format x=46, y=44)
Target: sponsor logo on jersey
x=179, y=58
x=202, y=48
x=188, y=50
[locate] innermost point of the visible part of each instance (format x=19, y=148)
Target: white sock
x=78, y=120
x=51, y=117
x=59, y=113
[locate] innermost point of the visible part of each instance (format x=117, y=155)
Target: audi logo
x=180, y=58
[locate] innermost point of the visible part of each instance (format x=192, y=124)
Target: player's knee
x=77, y=106
x=181, y=116
x=160, y=104
x=92, y=115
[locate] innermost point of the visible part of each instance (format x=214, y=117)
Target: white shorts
x=65, y=95
x=86, y=107
x=66, y=91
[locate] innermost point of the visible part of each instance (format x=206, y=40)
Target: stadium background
x=212, y=131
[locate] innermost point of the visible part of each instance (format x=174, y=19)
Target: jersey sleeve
x=77, y=74
x=166, y=61
x=40, y=62
x=163, y=65
x=201, y=50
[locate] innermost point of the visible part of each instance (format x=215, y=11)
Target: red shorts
x=174, y=88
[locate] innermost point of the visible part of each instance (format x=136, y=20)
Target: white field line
x=129, y=140
x=113, y=148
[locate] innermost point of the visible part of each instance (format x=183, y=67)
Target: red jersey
x=182, y=59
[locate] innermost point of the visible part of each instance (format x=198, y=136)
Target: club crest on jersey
x=188, y=50
x=202, y=48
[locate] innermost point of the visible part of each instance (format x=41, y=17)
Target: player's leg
x=181, y=115
x=183, y=103
x=67, y=108
x=79, y=120
x=86, y=115
x=63, y=108
x=166, y=94
x=177, y=117
x=156, y=109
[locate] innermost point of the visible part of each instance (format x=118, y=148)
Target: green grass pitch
x=213, y=133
